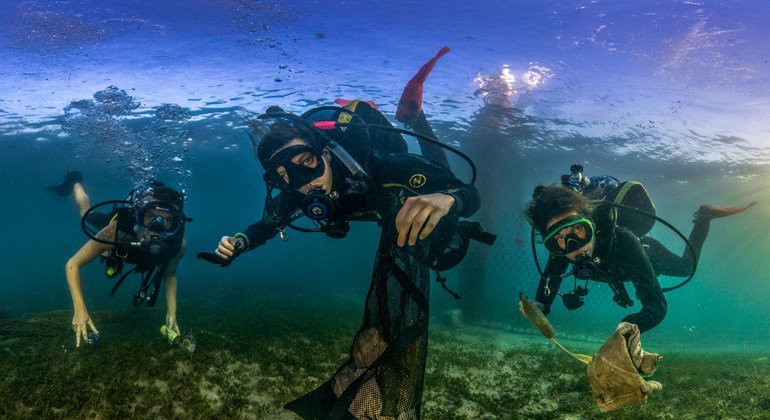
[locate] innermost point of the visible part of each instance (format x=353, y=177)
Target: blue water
x=672, y=94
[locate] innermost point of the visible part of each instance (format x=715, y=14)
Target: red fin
x=410, y=103
x=345, y=102
x=713, y=212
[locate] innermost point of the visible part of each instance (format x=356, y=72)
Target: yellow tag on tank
x=345, y=118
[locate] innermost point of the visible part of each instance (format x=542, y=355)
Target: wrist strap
x=245, y=238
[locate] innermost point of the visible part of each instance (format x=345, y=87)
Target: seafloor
x=254, y=354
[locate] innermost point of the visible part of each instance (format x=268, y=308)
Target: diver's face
x=309, y=160
x=152, y=213
x=578, y=229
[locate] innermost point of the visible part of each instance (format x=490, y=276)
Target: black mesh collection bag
x=383, y=378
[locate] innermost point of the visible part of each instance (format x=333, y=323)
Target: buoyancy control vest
x=150, y=265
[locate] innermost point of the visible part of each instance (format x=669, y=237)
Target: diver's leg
x=430, y=151
x=96, y=219
x=81, y=198
x=666, y=262
x=700, y=230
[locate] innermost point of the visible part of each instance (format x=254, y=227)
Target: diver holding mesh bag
x=335, y=165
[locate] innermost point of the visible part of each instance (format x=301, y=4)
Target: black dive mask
x=294, y=167
x=158, y=217
x=155, y=223
x=564, y=237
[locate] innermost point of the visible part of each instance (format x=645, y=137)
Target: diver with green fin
x=601, y=230
x=146, y=230
x=334, y=165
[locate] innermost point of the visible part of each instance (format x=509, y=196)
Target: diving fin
x=410, y=103
x=345, y=102
x=65, y=188
x=706, y=212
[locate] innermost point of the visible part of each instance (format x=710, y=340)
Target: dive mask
x=564, y=237
x=158, y=217
x=294, y=167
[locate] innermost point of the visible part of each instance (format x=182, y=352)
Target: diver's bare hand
x=420, y=215
x=226, y=248
x=81, y=322
x=171, y=323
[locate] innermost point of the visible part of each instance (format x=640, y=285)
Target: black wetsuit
x=151, y=266
x=625, y=258
x=396, y=309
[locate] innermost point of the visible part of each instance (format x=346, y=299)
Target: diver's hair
x=552, y=201
x=266, y=141
x=162, y=192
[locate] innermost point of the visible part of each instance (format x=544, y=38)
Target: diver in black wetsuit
x=416, y=203
x=578, y=231
x=147, y=232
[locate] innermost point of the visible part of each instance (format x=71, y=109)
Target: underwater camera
x=574, y=299
x=575, y=179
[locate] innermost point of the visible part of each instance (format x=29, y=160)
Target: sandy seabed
x=255, y=356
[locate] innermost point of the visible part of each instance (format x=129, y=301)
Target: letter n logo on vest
x=417, y=180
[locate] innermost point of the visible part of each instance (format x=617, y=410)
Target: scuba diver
x=147, y=230
x=336, y=165
x=589, y=235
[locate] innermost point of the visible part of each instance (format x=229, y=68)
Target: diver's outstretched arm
x=171, y=282
x=81, y=321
